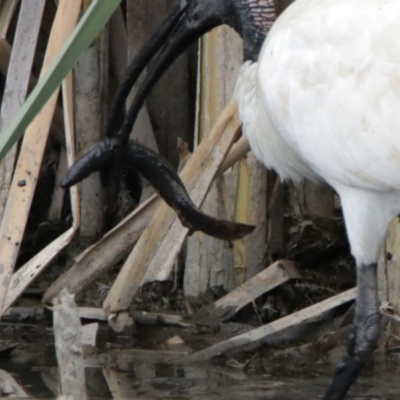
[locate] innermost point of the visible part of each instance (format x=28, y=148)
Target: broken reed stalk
x=69, y=348
x=209, y=260
x=113, y=246
x=118, y=383
x=154, y=254
x=255, y=337
x=17, y=80
x=29, y=271
x=10, y=387
x=7, y=11
x=388, y=274
x=226, y=307
x=238, y=151
x=88, y=125
x=32, y=150
x=141, y=317
x=103, y=255
x=242, y=213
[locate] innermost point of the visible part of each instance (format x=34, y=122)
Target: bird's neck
x=256, y=17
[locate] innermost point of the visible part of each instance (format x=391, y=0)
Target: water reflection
x=119, y=372
x=145, y=380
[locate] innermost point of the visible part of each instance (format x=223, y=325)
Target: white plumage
x=322, y=102
x=326, y=104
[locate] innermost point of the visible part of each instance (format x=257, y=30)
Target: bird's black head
x=250, y=18
x=189, y=20
x=198, y=17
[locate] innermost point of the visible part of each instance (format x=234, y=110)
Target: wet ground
x=127, y=368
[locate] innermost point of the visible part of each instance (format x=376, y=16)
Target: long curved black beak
x=151, y=47
x=185, y=24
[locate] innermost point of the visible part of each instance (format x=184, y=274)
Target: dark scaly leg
x=364, y=334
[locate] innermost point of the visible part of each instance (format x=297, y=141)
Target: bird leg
x=364, y=334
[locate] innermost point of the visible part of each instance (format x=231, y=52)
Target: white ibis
x=321, y=101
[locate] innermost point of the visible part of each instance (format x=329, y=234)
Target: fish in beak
x=165, y=181
x=187, y=23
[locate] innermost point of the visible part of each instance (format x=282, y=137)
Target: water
x=120, y=369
